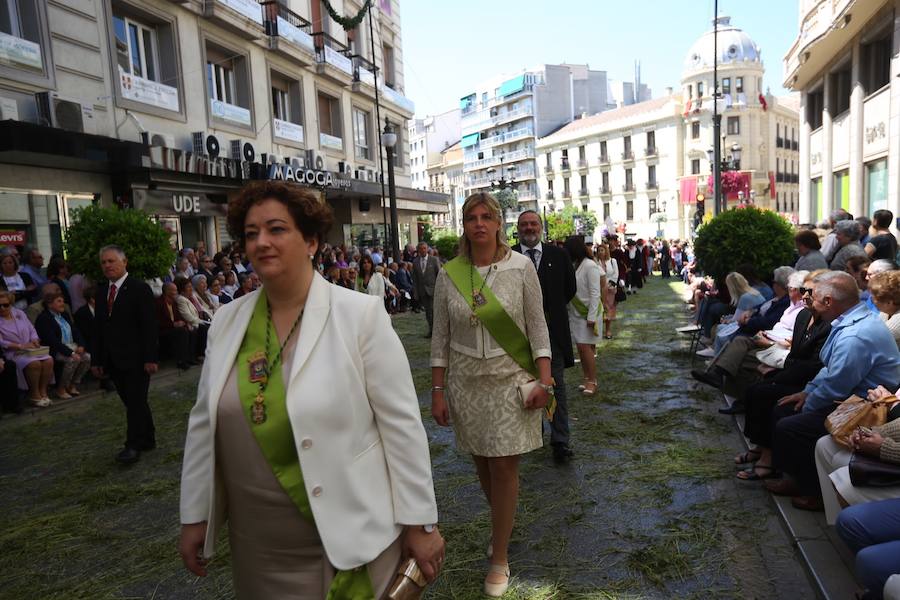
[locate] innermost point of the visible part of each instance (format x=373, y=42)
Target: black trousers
x=9, y=392
x=762, y=410
x=559, y=426
x=132, y=386
x=178, y=343
x=795, y=447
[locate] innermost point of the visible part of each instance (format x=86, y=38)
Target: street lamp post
x=389, y=140
x=503, y=183
x=723, y=165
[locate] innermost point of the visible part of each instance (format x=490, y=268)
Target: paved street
x=648, y=509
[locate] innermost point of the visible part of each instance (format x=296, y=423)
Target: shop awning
x=469, y=140
x=512, y=86
x=466, y=101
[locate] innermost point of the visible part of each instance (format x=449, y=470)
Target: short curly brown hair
x=885, y=287
x=313, y=217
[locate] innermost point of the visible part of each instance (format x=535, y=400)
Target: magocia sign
x=285, y=172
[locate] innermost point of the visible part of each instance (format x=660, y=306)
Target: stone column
x=857, y=171
x=805, y=200
x=827, y=141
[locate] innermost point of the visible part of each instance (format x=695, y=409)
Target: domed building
x=759, y=132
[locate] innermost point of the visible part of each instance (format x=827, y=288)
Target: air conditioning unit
x=345, y=168
x=64, y=113
x=360, y=174
x=154, y=138
x=298, y=162
x=241, y=150
x=206, y=144
x=9, y=109
x=315, y=160
x=372, y=176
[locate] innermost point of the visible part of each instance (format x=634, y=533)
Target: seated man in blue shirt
x=859, y=354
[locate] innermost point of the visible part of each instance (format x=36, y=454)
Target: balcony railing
x=605, y=191
x=583, y=193
x=548, y=171
x=363, y=70
x=652, y=185
x=564, y=165
x=628, y=187
x=604, y=160
x=779, y=142
x=582, y=164
x=332, y=52
x=651, y=151
x=628, y=155
x=485, y=180
x=567, y=194
x=795, y=145
x=509, y=115
x=507, y=157
x=526, y=195
x=549, y=195
x=509, y=136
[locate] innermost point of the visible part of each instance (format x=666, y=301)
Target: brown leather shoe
x=811, y=503
x=783, y=487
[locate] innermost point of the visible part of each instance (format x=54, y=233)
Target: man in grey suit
x=424, y=275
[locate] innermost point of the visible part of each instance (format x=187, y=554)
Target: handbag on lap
x=856, y=412
x=866, y=471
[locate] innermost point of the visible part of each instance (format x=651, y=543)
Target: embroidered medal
x=478, y=298
x=259, y=367
x=473, y=320
x=258, y=410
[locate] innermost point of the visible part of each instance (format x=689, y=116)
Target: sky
x=448, y=47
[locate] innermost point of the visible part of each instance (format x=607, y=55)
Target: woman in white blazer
x=317, y=475
x=370, y=281
x=196, y=324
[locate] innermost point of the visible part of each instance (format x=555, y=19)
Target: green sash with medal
x=276, y=438
x=488, y=310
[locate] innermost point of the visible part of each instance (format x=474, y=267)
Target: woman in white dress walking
x=586, y=309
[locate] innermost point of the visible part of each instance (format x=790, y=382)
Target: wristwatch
x=429, y=528
x=547, y=387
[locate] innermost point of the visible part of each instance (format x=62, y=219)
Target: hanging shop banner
x=148, y=92
x=193, y=204
x=19, y=53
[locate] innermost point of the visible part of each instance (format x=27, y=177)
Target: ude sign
x=185, y=203
x=164, y=202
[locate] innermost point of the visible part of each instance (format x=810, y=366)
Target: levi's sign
x=12, y=237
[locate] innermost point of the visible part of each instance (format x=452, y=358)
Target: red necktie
x=110, y=299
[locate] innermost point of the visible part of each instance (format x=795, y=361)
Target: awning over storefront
x=512, y=86
x=469, y=140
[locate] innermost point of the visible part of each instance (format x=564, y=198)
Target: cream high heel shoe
x=495, y=590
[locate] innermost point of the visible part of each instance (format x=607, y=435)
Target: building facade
x=171, y=107
x=844, y=63
x=446, y=177
x=428, y=138
x=503, y=117
x=644, y=165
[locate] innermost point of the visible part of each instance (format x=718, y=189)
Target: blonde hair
x=493, y=207
x=603, y=252
x=885, y=287
x=737, y=286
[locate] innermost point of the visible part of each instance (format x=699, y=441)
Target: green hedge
x=447, y=245
x=744, y=235
x=145, y=242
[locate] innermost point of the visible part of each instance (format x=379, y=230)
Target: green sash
x=495, y=318
x=276, y=440
x=582, y=310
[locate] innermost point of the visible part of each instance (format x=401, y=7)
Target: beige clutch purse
x=525, y=390
x=409, y=584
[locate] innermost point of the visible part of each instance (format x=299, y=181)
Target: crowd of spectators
x=788, y=351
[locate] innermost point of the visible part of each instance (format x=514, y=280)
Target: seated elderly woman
x=197, y=320
x=746, y=300
x=847, y=237
x=736, y=367
x=808, y=246
x=56, y=330
x=885, y=291
x=22, y=351
x=202, y=296
x=832, y=460
x=800, y=367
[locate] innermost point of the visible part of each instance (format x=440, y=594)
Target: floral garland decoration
x=346, y=22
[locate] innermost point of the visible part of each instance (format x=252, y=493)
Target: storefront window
x=815, y=199
x=367, y=235
x=842, y=190
x=33, y=219
x=876, y=186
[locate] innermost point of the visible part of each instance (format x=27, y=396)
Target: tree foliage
x=562, y=224
x=145, y=242
x=507, y=200
x=744, y=235
x=447, y=244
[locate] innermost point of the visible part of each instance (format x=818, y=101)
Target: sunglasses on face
x=804, y=291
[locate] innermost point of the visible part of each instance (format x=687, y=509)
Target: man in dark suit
x=424, y=276
x=557, y=276
x=126, y=339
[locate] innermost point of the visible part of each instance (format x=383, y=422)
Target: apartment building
x=643, y=165
x=844, y=63
x=446, y=176
x=428, y=138
x=172, y=106
x=503, y=118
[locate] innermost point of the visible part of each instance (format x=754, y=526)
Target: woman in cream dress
x=590, y=282
x=475, y=380
x=610, y=267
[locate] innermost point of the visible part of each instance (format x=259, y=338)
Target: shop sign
x=249, y=8
x=19, y=52
x=311, y=177
x=230, y=112
x=12, y=237
x=288, y=131
x=148, y=92
x=295, y=34
x=178, y=203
